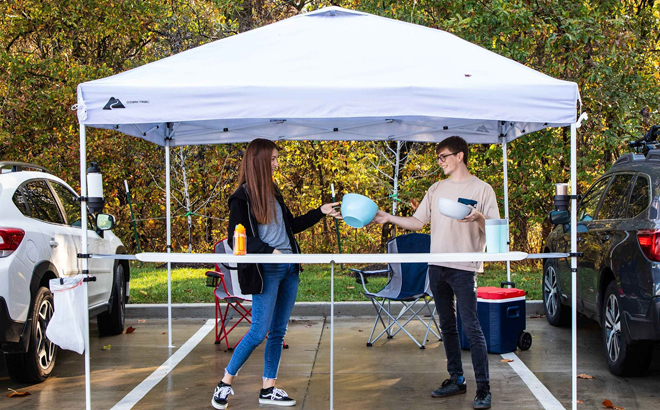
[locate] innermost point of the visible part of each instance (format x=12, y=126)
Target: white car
x=40, y=239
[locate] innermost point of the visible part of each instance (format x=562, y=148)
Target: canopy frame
x=435, y=123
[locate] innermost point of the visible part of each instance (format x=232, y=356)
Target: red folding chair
x=224, y=282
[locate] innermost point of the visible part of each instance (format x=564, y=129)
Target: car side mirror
x=560, y=217
x=105, y=222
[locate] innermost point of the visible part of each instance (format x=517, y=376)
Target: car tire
x=556, y=313
x=112, y=322
x=36, y=365
x=624, y=357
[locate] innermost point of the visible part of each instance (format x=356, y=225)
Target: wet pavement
x=392, y=374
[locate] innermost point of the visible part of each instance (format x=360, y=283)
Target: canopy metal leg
x=169, y=242
x=83, y=217
x=574, y=398
x=506, y=207
x=332, y=333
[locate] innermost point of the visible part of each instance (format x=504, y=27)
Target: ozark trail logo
x=113, y=103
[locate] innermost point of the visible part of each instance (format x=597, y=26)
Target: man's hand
x=275, y=251
x=478, y=217
x=381, y=217
x=474, y=216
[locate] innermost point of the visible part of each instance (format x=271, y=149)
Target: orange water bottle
x=239, y=240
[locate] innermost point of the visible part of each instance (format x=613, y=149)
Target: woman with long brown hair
x=258, y=205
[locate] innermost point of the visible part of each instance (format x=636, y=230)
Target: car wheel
x=112, y=322
x=624, y=357
x=556, y=313
x=38, y=362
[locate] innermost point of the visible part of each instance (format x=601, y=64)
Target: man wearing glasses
x=459, y=279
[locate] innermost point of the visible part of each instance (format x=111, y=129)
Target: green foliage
x=47, y=47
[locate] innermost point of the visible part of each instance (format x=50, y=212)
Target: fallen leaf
x=537, y=316
x=15, y=393
x=143, y=292
x=187, y=290
x=308, y=326
x=108, y=347
x=506, y=360
x=608, y=404
x=360, y=330
x=584, y=376
x=142, y=320
x=350, y=287
x=164, y=333
x=130, y=329
x=579, y=401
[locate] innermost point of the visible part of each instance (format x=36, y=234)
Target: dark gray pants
x=445, y=283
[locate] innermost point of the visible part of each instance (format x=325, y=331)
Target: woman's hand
x=329, y=209
x=275, y=252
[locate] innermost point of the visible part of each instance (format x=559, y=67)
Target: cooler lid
x=491, y=292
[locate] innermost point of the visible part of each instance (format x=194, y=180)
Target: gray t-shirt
x=274, y=233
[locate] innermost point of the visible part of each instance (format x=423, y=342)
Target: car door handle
x=53, y=243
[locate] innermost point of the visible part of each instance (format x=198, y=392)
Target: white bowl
x=453, y=209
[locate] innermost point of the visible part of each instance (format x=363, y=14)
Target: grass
x=149, y=284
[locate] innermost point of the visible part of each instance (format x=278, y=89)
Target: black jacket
x=250, y=274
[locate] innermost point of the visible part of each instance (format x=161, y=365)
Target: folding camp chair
x=224, y=282
x=408, y=284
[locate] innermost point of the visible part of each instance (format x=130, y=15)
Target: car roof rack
x=20, y=166
x=650, y=156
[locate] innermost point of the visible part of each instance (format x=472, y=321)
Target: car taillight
x=10, y=238
x=649, y=241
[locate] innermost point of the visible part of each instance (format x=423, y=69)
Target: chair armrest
x=213, y=278
x=214, y=274
x=370, y=272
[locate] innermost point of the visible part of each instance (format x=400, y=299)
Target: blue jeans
x=271, y=310
x=445, y=283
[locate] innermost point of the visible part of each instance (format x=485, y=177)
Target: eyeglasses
x=443, y=158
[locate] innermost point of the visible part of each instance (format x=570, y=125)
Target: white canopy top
x=332, y=74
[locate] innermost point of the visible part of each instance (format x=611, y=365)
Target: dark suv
x=618, y=278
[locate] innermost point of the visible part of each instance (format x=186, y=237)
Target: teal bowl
x=358, y=210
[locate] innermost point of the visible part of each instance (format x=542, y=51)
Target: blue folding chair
x=408, y=283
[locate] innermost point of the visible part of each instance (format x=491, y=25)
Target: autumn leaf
x=108, y=347
x=15, y=393
x=350, y=287
x=130, y=329
x=584, y=376
x=608, y=404
x=506, y=360
x=142, y=320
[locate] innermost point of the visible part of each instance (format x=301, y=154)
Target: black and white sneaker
x=275, y=396
x=222, y=391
